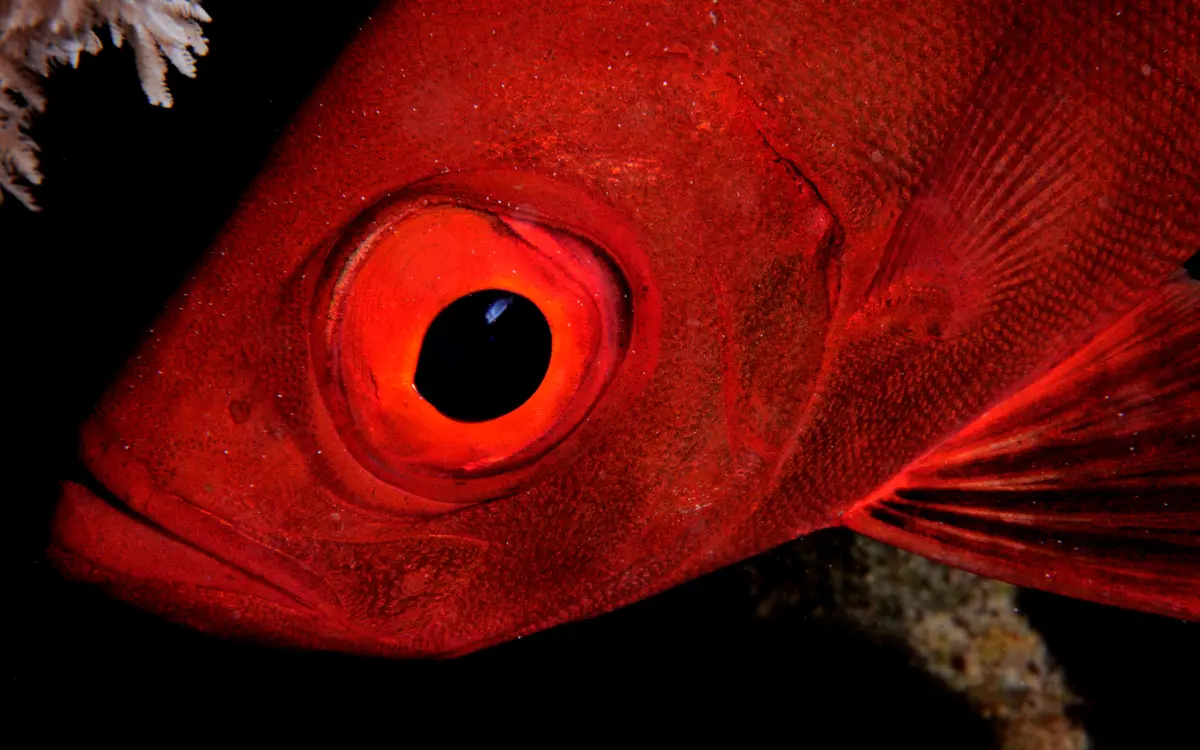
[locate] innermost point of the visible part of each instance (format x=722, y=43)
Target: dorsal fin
x=1084, y=482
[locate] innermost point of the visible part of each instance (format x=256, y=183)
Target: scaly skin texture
x=750, y=167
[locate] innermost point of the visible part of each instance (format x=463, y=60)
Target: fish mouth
x=166, y=555
x=100, y=538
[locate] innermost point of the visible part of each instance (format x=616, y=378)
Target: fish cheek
x=747, y=301
x=781, y=329
x=399, y=586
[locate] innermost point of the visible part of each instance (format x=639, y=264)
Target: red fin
x=1061, y=160
x=1085, y=482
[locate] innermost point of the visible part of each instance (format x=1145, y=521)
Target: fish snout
x=98, y=539
x=157, y=550
x=163, y=553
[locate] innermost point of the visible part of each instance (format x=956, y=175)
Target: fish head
x=269, y=466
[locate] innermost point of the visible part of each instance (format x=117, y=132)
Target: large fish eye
x=462, y=338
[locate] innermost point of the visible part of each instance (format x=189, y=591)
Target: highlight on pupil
x=483, y=356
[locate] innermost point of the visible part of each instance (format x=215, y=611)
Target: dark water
x=132, y=196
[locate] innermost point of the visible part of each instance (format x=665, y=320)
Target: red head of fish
x=772, y=267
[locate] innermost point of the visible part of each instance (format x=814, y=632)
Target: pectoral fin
x=1084, y=482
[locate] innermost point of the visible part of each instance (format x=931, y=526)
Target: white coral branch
x=38, y=34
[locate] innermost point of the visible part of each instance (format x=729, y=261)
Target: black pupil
x=483, y=356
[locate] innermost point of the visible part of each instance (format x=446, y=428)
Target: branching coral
x=36, y=35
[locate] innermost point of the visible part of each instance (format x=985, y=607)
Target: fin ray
x=1085, y=481
x=1054, y=163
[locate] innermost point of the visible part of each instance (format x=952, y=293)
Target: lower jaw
x=101, y=542
x=96, y=539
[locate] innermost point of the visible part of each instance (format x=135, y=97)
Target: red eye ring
x=419, y=249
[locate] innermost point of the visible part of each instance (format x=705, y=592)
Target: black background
x=132, y=196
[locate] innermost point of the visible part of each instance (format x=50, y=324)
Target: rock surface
x=966, y=631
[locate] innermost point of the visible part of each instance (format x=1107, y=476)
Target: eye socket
x=459, y=342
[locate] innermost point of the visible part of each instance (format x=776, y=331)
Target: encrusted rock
x=965, y=630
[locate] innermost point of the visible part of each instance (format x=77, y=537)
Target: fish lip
x=97, y=535
x=89, y=543
x=116, y=526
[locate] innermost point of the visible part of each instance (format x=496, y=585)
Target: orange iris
x=406, y=264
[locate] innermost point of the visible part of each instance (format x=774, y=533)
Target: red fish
x=539, y=310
